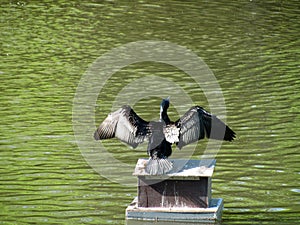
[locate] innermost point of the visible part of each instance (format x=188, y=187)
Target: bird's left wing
x=196, y=123
x=191, y=128
x=125, y=125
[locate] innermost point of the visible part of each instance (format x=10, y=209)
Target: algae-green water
x=251, y=47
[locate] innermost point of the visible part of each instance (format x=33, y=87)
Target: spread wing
x=125, y=125
x=197, y=124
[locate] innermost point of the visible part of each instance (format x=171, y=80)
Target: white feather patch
x=171, y=133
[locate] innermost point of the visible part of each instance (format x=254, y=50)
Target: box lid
x=182, y=168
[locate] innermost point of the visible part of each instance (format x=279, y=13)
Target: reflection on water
x=252, y=48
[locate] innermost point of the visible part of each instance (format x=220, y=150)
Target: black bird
x=194, y=125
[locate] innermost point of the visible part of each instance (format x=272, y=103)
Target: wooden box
x=187, y=185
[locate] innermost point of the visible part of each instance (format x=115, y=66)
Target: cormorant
x=194, y=125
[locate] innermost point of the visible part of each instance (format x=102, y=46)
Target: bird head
x=165, y=104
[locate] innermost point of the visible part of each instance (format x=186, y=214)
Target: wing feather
x=215, y=128
x=197, y=124
x=125, y=125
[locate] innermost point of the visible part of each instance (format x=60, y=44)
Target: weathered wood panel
x=174, y=193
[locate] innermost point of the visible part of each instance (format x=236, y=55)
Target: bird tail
x=158, y=166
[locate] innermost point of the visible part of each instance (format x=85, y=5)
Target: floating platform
x=181, y=195
x=210, y=215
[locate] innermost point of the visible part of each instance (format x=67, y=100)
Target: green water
x=252, y=49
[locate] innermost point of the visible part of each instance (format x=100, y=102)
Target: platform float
x=182, y=195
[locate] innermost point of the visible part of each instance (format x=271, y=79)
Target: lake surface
x=252, y=48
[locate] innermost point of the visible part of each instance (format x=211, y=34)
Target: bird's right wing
x=125, y=125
